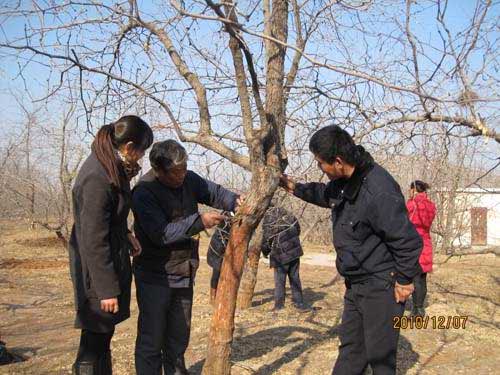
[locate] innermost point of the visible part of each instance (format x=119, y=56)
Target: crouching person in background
x=215, y=254
x=167, y=222
x=281, y=242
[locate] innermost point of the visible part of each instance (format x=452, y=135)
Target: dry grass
x=36, y=317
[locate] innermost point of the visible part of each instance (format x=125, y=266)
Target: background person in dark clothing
x=377, y=248
x=165, y=206
x=281, y=242
x=100, y=240
x=280, y=238
x=421, y=211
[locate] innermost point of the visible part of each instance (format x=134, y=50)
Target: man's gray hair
x=167, y=154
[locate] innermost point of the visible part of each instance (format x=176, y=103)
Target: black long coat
x=99, y=247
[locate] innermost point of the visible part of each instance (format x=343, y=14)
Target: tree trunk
x=31, y=194
x=264, y=183
x=62, y=238
x=265, y=179
x=61, y=234
x=249, y=278
x=450, y=230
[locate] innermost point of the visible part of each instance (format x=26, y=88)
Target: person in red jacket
x=421, y=211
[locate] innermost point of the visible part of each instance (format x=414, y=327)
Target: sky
x=37, y=75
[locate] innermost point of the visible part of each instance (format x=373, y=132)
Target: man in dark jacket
x=281, y=242
x=165, y=205
x=377, y=248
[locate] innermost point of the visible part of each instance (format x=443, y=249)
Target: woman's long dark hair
x=110, y=137
x=419, y=186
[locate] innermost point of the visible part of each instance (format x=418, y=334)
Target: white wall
x=479, y=198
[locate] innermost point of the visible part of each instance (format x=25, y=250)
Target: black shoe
x=102, y=366
x=106, y=364
x=177, y=368
x=180, y=367
x=302, y=307
x=5, y=356
x=181, y=371
x=86, y=368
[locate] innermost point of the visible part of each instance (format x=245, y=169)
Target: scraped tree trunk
x=249, y=278
x=268, y=160
x=264, y=183
x=276, y=25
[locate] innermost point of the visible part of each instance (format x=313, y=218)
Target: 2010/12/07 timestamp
x=434, y=322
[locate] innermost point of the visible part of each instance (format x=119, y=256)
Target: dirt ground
x=36, y=317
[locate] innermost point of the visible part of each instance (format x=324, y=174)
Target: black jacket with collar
x=372, y=234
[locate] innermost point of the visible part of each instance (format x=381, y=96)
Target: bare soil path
x=36, y=317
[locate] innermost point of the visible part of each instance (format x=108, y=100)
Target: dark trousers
x=367, y=333
x=420, y=283
x=280, y=273
x=163, y=328
x=93, y=345
x=214, y=280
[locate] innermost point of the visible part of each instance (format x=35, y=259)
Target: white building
x=480, y=217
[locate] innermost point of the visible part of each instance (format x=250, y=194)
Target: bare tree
x=28, y=193
x=31, y=186
x=239, y=79
x=58, y=212
x=19, y=164
x=265, y=157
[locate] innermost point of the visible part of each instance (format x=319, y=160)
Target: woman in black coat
x=101, y=243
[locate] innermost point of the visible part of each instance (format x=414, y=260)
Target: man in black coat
x=167, y=222
x=377, y=248
x=281, y=242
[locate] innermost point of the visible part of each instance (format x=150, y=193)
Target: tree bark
x=264, y=183
x=268, y=160
x=277, y=26
x=29, y=174
x=249, y=278
x=62, y=238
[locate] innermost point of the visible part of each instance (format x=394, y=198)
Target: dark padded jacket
x=166, y=219
x=371, y=230
x=218, y=243
x=280, y=237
